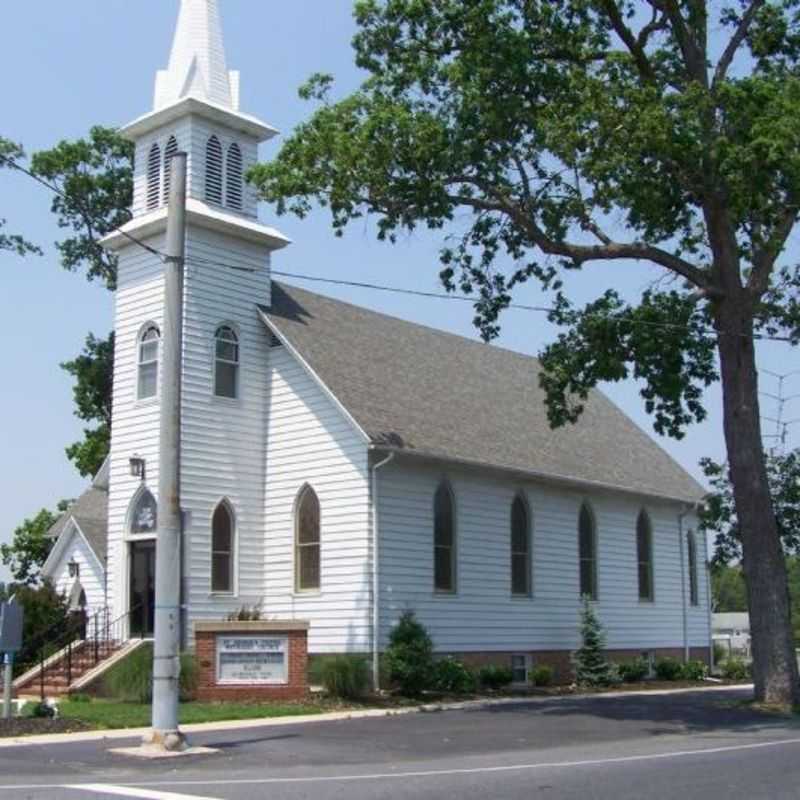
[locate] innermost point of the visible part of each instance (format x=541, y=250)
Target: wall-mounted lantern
x=138, y=465
x=74, y=569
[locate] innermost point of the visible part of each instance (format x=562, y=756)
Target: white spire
x=197, y=65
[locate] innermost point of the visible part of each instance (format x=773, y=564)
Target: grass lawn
x=108, y=714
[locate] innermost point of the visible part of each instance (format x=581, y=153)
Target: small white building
x=340, y=466
x=732, y=631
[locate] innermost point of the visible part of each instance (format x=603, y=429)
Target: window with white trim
x=222, y=549
x=147, y=381
x=226, y=362
x=691, y=547
x=644, y=556
x=307, y=541
x=143, y=518
x=444, y=536
x=587, y=552
x=520, y=548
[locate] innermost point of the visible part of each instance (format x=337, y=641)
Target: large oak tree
x=546, y=120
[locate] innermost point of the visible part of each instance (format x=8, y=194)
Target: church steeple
x=197, y=64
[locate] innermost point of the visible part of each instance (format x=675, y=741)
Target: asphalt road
x=698, y=745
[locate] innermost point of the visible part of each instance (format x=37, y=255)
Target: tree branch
x=624, y=32
x=693, y=59
x=766, y=256
x=735, y=43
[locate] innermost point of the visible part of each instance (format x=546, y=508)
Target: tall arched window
x=214, y=171
x=144, y=514
x=169, y=151
x=153, y=177
x=444, y=540
x=587, y=552
x=233, y=178
x=147, y=384
x=520, y=547
x=226, y=362
x=691, y=547
x=644, y=556
x=222, y=549
x=307, y=541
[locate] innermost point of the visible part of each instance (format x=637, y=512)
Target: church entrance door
x=142, y=588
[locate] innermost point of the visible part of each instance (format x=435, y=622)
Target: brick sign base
x=207, y=635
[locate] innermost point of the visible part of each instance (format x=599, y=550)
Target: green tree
x=549, y=135
x=93, y=371
x=728, y=589
x=29, y=546
x=9, y=154
x=46, y=622
x=589, y=661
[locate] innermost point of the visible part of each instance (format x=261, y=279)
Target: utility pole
x=166, y=656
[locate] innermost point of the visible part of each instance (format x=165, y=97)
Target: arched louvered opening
x=520, y=547
x=222, y=549
x=644, y=555
x=154, y=177
x=169, y=151
x=444, y=539
x=587, y=552
x=233, y=178
x=214, y=171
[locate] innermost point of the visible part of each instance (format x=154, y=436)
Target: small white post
x=9, y=671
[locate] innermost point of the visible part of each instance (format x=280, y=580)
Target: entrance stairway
x=77, y=659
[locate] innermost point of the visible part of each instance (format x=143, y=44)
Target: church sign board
x=252, y=660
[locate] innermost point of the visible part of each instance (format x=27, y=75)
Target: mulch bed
x=31, y=726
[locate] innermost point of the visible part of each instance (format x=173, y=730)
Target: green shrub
x=78, y=697
x=346, y=677
x=634, y=671
x=734, y=669
x=720, y=652
x=453, y=676
x=245, y=614
x=542, y=675
x=494, y=676
x=694, y=671
x=669, y=669
x=131, y=680
x=408, y=661
x=41, y=711
x=591, y=666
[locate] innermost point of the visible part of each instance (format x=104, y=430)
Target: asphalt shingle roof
x=90, y=512
x=432, y=393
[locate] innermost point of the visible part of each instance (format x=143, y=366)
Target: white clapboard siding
x=482, y=615
x=91, y=576
x=309, y=440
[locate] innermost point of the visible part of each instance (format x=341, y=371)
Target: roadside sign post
x=10, y=643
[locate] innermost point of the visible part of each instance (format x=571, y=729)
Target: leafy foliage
x=719, y=516
x=668, y=669
x=452, y=676
x=589, y=661
x=131, y=679
x=10, y=153
x=344, y=676
x=30, y=546
x=93, y=371
x=408, y=661
x=46, y=620
x=542, y=675
x=633, y=671
x=694, y=671
x=95, y=180
x=734, y=669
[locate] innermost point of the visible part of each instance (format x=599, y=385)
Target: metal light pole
x=166, y=657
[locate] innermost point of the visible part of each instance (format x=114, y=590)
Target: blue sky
x=69, y=66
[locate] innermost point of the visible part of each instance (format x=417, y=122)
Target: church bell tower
x=226, y=347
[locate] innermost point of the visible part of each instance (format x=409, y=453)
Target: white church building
x=340, y=466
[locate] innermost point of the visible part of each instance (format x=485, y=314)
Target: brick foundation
x=296, y=688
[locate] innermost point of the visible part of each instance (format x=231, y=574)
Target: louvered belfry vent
x=233, y=187
x=154, y=177
x=214, y=171
x=169, y=151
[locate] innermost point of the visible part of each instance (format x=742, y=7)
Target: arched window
x=644, y=556
x=691, y=547
x=148, y=362
x=307, y=541
x=214, y=171
x=587, y=551
x=520, y=547
x=222, y=549
x=169, y=151
x=233, y=178
x=153, y=177
x=444, y=540
x=144, y=514
x=226, y=362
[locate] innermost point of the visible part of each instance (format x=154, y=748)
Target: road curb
x=341, y=716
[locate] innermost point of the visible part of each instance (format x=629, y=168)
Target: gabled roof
x=90, y=513
x=425, y=392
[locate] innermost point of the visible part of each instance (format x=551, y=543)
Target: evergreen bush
x=669, y=669
x=589, y=661
x=494, y=676
x=408, y=661
x=452, y=676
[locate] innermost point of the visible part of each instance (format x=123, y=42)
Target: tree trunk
x=774, y=662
